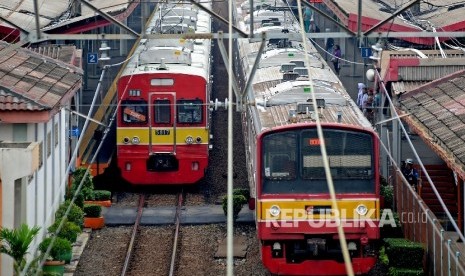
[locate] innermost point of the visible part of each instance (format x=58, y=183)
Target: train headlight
x=361, y=210
x=275, y=210
x=189, y=140
x=135, y=140
x=126, y=140
x=198, y=140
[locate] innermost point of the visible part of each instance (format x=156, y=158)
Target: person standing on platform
x=361, y=91
x=335, y=59
x=307, y=19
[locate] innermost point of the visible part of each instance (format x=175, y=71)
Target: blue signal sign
x=92, y=58
x=366, y=52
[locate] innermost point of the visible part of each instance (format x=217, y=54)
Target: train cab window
x=282, y=167
x=134, y=111
x=189, y=111
x=162, y=111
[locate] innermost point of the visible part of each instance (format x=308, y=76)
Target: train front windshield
x=292, y=162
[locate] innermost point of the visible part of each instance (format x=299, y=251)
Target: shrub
x=102, y=195
x=92, y=210
x=383, y=258
x=238, y=202
x=395, y=271
x=68, y=231
x=87, y=189
x=243, y=192
x=387, y=191
x=75, y=215
x=60, y=251
x=403, y=253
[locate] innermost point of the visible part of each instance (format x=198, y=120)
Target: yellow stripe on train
x=318, y=209
x=162, y=135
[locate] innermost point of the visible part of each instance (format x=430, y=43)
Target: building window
x=19, y=132
x=56, y=134
x=49, y=143
x=41, y=154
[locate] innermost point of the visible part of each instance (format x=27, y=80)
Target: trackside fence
x=445, y=253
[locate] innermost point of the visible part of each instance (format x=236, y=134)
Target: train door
x=162, y=132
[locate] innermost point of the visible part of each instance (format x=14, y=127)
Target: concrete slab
x=239, y=247
x=202, y=214
x=119, y=216
x=158, y=216
x=205, y=214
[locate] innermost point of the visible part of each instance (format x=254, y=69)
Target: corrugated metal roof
x=406, y=70
x=437, y=109
x=54, y=12
x=445, y=15
x=31, y=81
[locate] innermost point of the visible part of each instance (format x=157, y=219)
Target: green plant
x=102, y=195
x=61, y=249
x=92, y=210
x=238, y=202
x=75, y=215
x=387, y=191
x=403, y=253
x=16, y=242
x=69, y=230
x=395, y=271
x=243, y=192
x=383, y=258
x=87, y=188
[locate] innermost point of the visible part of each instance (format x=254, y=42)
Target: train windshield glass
x=292, y=162
x=189, y=111
x=134, y=111
x=162, y=112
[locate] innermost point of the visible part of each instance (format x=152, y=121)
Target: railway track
x=137, y=244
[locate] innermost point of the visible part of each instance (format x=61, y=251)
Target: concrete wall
x=44, y=183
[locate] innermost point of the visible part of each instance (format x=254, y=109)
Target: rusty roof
x=30, y=81
x=54, y=12
x=437, y=112
x=438, y=15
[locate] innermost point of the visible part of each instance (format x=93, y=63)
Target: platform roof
x=439, y=15
x=36, y=80
x=436, y=111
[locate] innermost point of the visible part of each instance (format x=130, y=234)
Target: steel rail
x=176, y=233
x=133, y=236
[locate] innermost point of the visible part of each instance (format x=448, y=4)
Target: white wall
x=46, y=189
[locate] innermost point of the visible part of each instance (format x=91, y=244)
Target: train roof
x=283, y=83
x=177, y=56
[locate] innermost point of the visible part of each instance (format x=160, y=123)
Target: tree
x=16, y=242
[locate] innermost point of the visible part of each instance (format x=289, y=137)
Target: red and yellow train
x=163, y=122
x=291, y=88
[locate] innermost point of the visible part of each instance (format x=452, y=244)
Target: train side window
x=162, y=111
x=189, y=111
x=134, y=111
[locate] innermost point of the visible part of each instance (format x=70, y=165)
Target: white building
x=36, y=94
